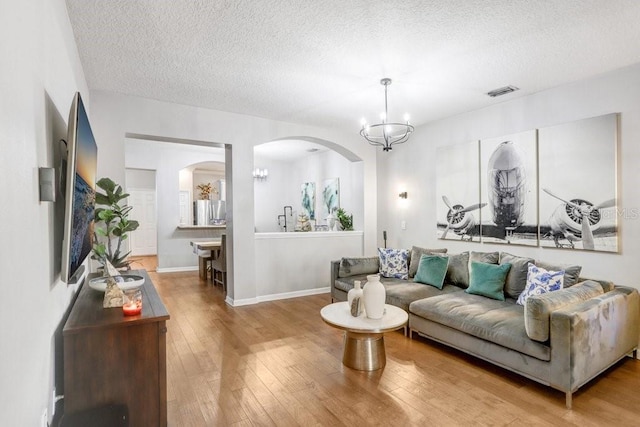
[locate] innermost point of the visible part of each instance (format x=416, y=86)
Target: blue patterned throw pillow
x=541, y=281
x=394, y=263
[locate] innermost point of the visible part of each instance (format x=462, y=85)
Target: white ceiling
x=320, y=62
x=287, y=149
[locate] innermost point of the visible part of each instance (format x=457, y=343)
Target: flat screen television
x=80, y=192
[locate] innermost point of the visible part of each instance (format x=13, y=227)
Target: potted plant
x=112, y=224
x=346, y=220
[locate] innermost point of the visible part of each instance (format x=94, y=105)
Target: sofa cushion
x=458, y=270
x=488, y=257
x=487, y=279
x=358, y=266
x=571, y=272
x=541, y=281
x=416, y=253
x=500, y=322
x=346, y=283
x=432, y=270
x=394, y=263
x=538, y=308
x=517, y=277
x=402, y=293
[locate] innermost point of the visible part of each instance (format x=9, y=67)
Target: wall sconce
x=403, y=195
x=260, y=174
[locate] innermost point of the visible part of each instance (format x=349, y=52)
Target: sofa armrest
x=588, y=337
x=335, y=268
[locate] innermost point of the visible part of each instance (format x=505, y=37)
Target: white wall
x=283, y=187
x=412, y=167
x=168, y=159
x=140, y=179
x=115, y=115
x=39, y=75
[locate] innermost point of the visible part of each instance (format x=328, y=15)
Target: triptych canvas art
x=553, y=187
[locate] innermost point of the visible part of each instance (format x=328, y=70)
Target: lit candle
x=131, y=308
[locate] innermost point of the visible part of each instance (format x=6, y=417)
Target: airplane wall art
x=577, y=198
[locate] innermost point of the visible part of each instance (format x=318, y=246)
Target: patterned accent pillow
x=393, y=263
x=541, y=281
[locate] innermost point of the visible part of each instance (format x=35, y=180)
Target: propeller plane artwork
x=506, y=199
x=568, y=221
x=460, y=219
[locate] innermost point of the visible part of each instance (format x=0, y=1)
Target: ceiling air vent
x=502, y=91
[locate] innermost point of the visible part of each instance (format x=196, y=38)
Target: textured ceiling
x=320, y=62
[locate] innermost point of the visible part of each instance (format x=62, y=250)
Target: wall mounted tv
x=80, y=193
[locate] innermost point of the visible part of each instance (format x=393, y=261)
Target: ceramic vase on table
x=374, y=297
x=354, y=293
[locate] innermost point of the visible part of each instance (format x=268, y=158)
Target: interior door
x=144, y=240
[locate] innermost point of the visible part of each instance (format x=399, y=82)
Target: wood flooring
x=278, y=364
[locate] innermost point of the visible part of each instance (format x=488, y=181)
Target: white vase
x=374, y=297
x=356, y=292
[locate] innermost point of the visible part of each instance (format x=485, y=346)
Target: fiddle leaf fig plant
x=112, y=224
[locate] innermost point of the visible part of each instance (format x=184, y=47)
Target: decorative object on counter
x=132, y=304
x=374, y=296
x=111, y=223
x=386, y=133
x=354, y=295
x=205, y=190
x=308, y=195
x=124, y=281
x=333, y=223
x=346, y=220
x=113, y=295
x=303, y=223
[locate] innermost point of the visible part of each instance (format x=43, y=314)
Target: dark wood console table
x=113, y=359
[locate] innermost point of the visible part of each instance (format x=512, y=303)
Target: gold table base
x=364, y=351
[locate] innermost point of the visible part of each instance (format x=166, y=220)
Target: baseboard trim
x=275, y=297
x=176, y=269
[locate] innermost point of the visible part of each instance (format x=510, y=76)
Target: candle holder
x=132, y=302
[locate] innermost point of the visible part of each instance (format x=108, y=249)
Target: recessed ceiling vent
x=502, y=91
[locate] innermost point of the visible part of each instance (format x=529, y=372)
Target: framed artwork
x=578, y=182
x=458, y=205
x=330, y=196
x=308, y=199
x=508, y=189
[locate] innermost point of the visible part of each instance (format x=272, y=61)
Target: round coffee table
x=363, y=337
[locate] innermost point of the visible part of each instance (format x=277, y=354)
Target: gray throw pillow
x=571, y=272
x=458, y=270
x=486, y=257
x=416, y=253
x=517, y=276
x=358, y=266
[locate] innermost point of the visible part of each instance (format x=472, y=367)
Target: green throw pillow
x=431, y=270
x=488, y=280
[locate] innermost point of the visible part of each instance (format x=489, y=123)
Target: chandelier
x=386, y=134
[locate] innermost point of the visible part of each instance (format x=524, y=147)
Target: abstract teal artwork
x=330, y=196
x=309, y=199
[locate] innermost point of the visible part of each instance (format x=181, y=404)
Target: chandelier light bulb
x=406, y=117
x=363, y=122
x=383, y=116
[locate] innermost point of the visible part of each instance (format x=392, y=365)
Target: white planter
x=374, y=297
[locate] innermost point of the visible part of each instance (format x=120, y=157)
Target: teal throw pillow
x=432, y=270
x=488, y=280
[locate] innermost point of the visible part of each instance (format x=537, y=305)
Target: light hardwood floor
x=278, y=363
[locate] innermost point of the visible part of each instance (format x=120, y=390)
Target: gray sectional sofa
x=562, y=339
